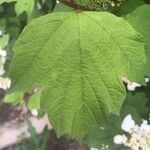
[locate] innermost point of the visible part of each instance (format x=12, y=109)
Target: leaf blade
x=73, y=63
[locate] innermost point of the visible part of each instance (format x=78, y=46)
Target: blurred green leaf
x=2, y=23
x=62, y=8
x=1, y=9
x=4, y=40
x=49, y=5
x=14, y=98
x=128, y=6
x=34, y=101
x=24, y=6
x=138, y=101
x=33, y=133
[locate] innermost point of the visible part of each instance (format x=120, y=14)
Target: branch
x=72, y=4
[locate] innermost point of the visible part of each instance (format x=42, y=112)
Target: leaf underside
x=78, y=59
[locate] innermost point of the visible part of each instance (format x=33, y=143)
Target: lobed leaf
x=79, y=60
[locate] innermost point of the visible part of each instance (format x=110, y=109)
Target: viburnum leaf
x=79, y=60
x=140, y=20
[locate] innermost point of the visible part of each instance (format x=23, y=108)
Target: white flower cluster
x=4, y=82
x=139, y=136
x=117, y=3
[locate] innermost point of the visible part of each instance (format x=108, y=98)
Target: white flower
x=146, y=80
x=3, y=53
x=112, y=4
x=2, y=71
x=128, y=123
x=3, y=59
x=34, y=112
x=145, y=126
x=118, y=139
x=1, y=33
x=5, y=83
x=8, y=83
x=132, y=86
x=139, y=135
x=57, y=1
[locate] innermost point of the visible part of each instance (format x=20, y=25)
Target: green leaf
x=7, y=1
x=138, y=101
x=79, y=60
x=50, y=4
x=128, y=6
x=140, y=20
x=14, y=98
x=24, y=6
x=4, y=40
x=34, y=101
x=62, y=8
x=2, y=23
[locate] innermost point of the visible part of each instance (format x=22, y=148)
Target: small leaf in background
x=4, y=39
x=24, y=6
x=140, y=20
x=138, y=101
x=1, y=9
x=33, y=134
x=49, y=5
x=34, y=101
x=2, y=23
x=62, y=8
x=70, y=54
x=128, y=6
x=14, y=98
